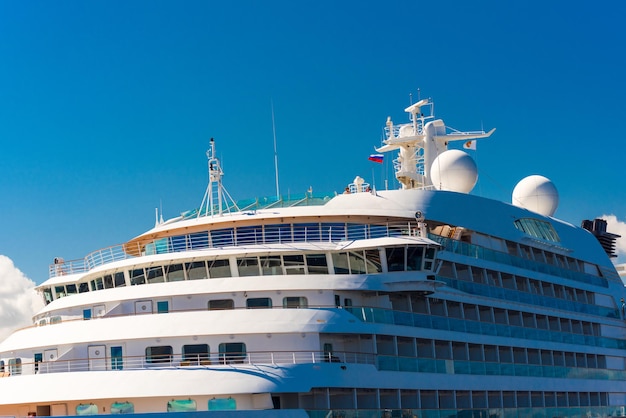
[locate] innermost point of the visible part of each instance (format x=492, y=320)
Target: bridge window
x=248, y=266
x=317, y=264
x=196, y=270
x=219, y=268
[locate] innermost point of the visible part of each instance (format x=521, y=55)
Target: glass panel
x=271, y=265
x=414, y=258
x=294, y=264
x=317, y=264
x=175, y=273
x=195, y=354
x=137, y=276
x=231, y=353
x=219, y=268
x=221, y=304
x=163, y=306
x=155, y=274
x=118, y=279
x=357, y=262
x=117, y=361
x=395, y=258
x=248, y=266
x=294, y=302
x=196, y=270
x=159, y=354
x=340, y=262
x=258, y=303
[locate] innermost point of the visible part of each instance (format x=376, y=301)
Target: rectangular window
x=340, y=262
x=357, y=262
x=395, y=258
x=221, y=304
x=374, y=264
x=294, y=264
x=155, y=274
x=414, y=258
x=118, y=279
x=317, y=264
x=223, y=237
x=295, y=302
x=196, y=354
x=38, y=358
x=117, y=360
x=87, y=314
x=232, y=353
x=137, y=276
x=258, y=303
x=175, y=273
x=163, y=306
x=108, y=281
x=248, y=266
x=196, y=270
x=15, y=366
x=159, y=354
x=271, y=265
x=219, y=268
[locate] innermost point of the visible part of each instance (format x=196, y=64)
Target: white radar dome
x=536, y=193
x=454, y=170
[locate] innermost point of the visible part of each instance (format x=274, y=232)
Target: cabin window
x=159, y=354
x=175, y=273
x=258, y=303
x=271, y=265
x=294, y=264
x=163, y=306
x=232, y=353
x=221, y=304
x=196, y=270
x=155, y=274
x=248, y=266
x=195, y=354
x=317, y=264
x=219, y=268
x=137, y=277
x=295, y=302
x=395, y=258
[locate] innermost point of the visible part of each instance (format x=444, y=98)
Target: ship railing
x=476, y=251
x=176, y=361
x=235, y=237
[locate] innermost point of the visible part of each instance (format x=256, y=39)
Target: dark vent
x=598, y=228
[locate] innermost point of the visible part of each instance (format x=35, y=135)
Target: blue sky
x=107, y=107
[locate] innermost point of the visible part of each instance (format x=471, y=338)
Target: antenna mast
x=210, y=201
x=275, y=151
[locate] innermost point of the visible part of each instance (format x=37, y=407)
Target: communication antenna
x=275, y=151
x=216, y=196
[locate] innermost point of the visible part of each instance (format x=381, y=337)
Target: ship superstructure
x=423, y=301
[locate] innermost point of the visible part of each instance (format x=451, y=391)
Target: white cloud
x=18, y=299
x=615, y=226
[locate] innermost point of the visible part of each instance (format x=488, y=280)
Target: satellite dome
x=536, y=193
x=454, y=170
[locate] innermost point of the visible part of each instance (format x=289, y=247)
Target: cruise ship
x=421, y=301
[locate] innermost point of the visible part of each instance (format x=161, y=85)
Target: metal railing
x=180, y=361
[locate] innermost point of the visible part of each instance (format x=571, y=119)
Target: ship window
x=295, y=302
x=137, y=276
x=222, y=237
x=494, y=399
x=428, y=399
x=122, y=408
x=219, y=268
x=181, y=405
x=414, y=258
x=248, y=266
x=159, y=354
x=1, y=366
x=97, y=284
x=333, y=232
x=463, y=272
x=505, y=354
x=232, y=353
x=277, y=233
x=249, y=235
x=258, y=303
x=60, y=291
x=196, y=353
x=317, y=264
x=155, y=274
x=108, y=281
x=508, y=281
x=221, y=304
x=442, y=350
x=447, y=270
x=306, y=232
x=86, y=314
x=47, y=295
x=537, y=229
x=71, y=289
x=294, y=264
x=174, y=272
x=459, y=351
x=357, y=262
x=163, y=306
x=491, y=353
x=340, y=262
x=196, y=270
x=395, y=258
x=83, y=287
x=425, y=348
x=178, y=243
x=271, y=265
x=199, y=240
x=15, y=366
